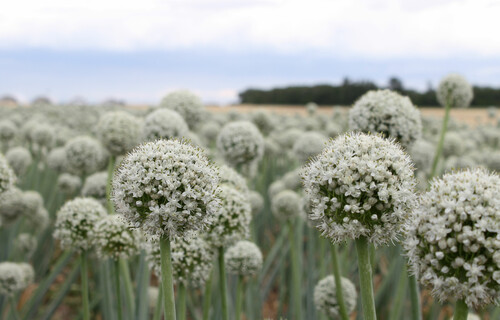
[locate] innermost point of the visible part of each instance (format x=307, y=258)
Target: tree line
x=349, y=91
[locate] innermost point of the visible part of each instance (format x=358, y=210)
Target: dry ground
x=471, y=116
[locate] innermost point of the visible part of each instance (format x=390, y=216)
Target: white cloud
x=363, y=28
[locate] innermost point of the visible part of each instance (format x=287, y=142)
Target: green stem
x=296, y=287
x=13, y=306
x=461, y=310
x=85, y=285
x=338, y=284
x=207, y=297
x=439, y=149
x=399, y=296
x=127, y=283
x=416, y=313
x=111, y=168
x=118, y=290
x=365, y=279
x=240, y=289
x=159, y=305
x=182, y=301
x=166, y=277
x=223, y=285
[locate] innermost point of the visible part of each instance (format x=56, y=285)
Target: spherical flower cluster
x=19, y=159
x=240, y=143
x=456, y=90
x=325, y=296
x=243, y=258
x=192, y=259
x=7, y=177
x=361, y=186
x=333, y=129
x=33, y=201
x=187, y=104
x=452, y=242
x=389, y=113
x=232, y=221
x=68, y=183
x=118, y=131
x=95, y=186
x=84, y=155
x=256, y=202
x=275, y=187
x=40, y=220
x=13, y=205
x=8, y=131
x=167, y=188
x=309, y=145
x=56, y=159
x=42, y=135
x=75, y=223
x=311, y=108
x=263, y=121
x=287, y=138
x=422, y=154
x=209, y=131
x=286, y=205
x=26, y=244
x=15, y=277
x=230, y=177
x=114, y=239
x=453, y=144
x=164, y=123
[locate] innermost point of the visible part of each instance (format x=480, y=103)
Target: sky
x=139, y=50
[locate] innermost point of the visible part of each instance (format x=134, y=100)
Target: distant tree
x=396, y=84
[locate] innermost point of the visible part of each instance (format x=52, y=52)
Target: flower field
x=379, y=210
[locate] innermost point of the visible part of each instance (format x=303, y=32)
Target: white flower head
x=14, y=277
x=240, y=143
x=361, y=185
x=95, y=186
x=84, y=155
x=389, y=113
x=164, y=124
x=26, y=244
x=114, y=239
x=309, y=145
x=325, y=296
x=230, y=177
x=166, y=188
x=7, y=176
x=286, y=205
x=422, y=154
x=256, y=202
x=56, y=159
x=453, y=240
x=118, y=131
x=192, y=259
x=455, y=89
x=75, y=223
x=19, y=159
x=12, y=205
x=187, y=104
x=232, y=221
x=243, y=258
x=68, y=183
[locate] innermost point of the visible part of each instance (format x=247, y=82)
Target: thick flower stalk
x=452, y=241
